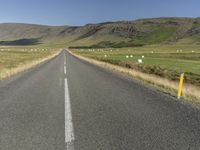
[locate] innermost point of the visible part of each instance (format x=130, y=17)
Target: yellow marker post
x=180, y=85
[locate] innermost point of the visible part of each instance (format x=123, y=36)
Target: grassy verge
x=161, y=67
x=17, y=59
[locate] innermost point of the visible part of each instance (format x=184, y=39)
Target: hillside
x=110, y=34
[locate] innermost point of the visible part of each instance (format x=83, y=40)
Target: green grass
x=15, y=57
x=160, y=34
x=167, y=61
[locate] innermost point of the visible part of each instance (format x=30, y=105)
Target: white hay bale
x=139, y=61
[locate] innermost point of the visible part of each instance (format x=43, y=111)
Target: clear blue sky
x=80, y=12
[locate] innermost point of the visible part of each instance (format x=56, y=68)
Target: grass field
x=167, y=61
x=16, y=59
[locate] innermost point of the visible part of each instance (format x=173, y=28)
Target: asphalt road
x=83, y=107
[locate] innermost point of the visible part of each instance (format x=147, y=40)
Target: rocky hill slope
x=109, y=34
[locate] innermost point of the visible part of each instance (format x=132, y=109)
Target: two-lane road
x=69, y=104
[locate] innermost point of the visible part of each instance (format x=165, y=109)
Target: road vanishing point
x=69, y=104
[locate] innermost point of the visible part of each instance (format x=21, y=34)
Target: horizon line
x=93, y=23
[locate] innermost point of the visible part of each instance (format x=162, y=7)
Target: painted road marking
x=69, y=129
x=65, y=70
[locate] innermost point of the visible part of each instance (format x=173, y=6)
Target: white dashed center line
x=69, y=131
x=65, y=71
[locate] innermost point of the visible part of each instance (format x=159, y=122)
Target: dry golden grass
x=7, y=72
x=189, y=92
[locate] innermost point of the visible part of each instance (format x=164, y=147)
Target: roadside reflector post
x=180, y=85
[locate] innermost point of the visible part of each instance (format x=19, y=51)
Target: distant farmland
x=165, y=61
x=17, y=59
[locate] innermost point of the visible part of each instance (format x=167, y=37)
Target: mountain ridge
x=109, y=34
